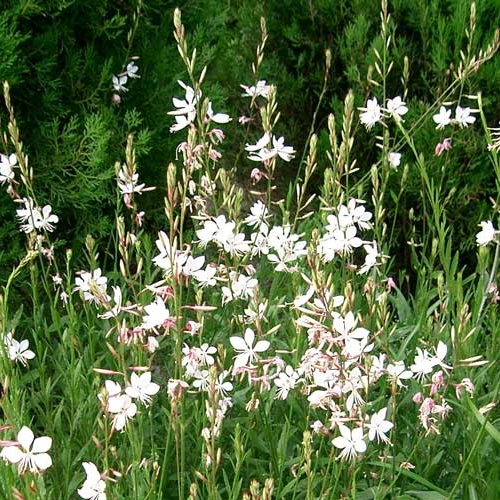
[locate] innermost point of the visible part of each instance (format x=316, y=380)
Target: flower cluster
x=463, y=117
x=263, y=151
x=120, y=81
x=341, y=236
x=374, y=113
x=34, y=218
x=185, y=112
x=119, y=404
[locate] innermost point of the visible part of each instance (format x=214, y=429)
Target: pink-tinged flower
x=379, y=426
x=444, y=146
x=142, y=388
x=31, y=454
x=372, y=114
x=350, y=442
x=443, y=118
x=487, y=233
x=256, y=175
x=94, y=488
x=247, y=351
x=259, y=89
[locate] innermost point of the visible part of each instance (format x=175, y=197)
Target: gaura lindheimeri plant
x=251, y=336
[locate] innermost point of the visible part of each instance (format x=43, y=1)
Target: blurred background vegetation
x=59, y=57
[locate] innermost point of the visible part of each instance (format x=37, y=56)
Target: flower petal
x=25, y=437
x=42, y=444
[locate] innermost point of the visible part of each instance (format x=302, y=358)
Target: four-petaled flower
x=94, y=488
x=247, y=351
x=350, y=442
x=17, y=351
x=487, y=233
x=31, y=454
x=443, y=118
x=379, y=426
x=142, y=388
x=372, y=114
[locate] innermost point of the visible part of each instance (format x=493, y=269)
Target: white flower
x=217, y=117
x=394, y=159
x=423, y=364
x=202, y=380
x=31, y=453
x=247, y=351
x=463, y=116
x=442, y=118
x=93, y=285
x=378, y=426
x=94, y=487
x=6, y=167
x=217, y=230
x=284, y=152
x=372, y=113
x=142, y=388
x=487, y=233
x=350, y=442
x=36, y=218
x=396, y=108
x=123, y=409
x=258, y=214
x=129, y=184
x=18, y=351
x=261, y=152
x=119, y=83
x=132, y=69
x=372, y=255
x=285, y=382
x=186, y=108
x=260, y=89
x=206, y=277
x=398, y=372
x=157, y=314
x=221, y=385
